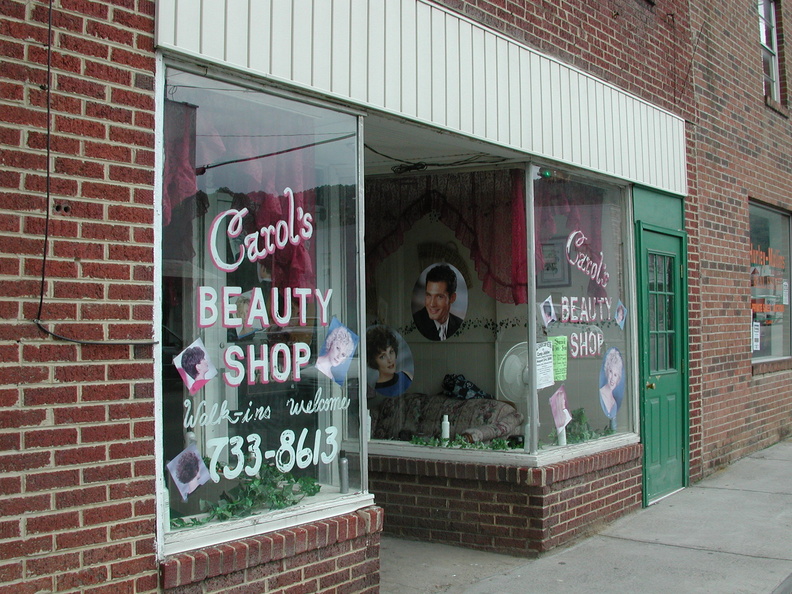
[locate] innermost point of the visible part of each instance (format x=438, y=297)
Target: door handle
x=650, y=385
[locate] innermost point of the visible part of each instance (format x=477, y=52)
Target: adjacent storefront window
x=584, y=353
x=261, y=363
x=769, y=272
x=449, y=328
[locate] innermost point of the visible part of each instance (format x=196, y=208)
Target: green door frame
x=643, y=341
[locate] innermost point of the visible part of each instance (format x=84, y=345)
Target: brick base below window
x=515, y=510
x=337, y=553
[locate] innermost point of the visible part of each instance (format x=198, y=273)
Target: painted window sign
x=585, y=317
x=769, y=274
x=261, y=371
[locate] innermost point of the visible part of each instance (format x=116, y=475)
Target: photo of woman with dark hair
x=188, y=471
x=382, y=355
x=195, y=367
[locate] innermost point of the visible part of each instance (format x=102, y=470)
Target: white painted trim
x=161, y=491
x=544, y=457
x=188, y=539
x=596, y=136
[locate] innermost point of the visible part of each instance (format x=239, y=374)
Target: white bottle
x=445, y=428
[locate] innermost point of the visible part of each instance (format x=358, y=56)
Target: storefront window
x=769, y=283
x=261, y=362
x=449, y=334
x=583, y=350
x=446, y=301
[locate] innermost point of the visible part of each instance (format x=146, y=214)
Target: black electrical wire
x=38, y=321
x=407, y=166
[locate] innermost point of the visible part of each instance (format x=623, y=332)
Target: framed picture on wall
x=556, y=270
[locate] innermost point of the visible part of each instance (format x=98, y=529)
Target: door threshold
x=659, y=499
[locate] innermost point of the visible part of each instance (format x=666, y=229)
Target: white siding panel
x=302, y=43
x=281, y=36
x=393, y=55
x=376, y=52
x=342, y=38
x=166, y=22
x=322, y=46
x=423, y=61
x=452, y=67
x=466, y=106
x=409, y=78
x=236, y=46
x=479, y=83
x=535, y=139
x=213, y=17
x=188, y=26
x=491, y=91
x=437, y=59
x=515, y=87
x=415, y=59
x=358, y=52
x=258, y=36
x=564, y=119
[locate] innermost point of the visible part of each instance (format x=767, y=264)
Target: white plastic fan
x=510, y=375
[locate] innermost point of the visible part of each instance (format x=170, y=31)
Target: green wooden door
x=663, y=328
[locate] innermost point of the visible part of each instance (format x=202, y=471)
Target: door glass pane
x=662, y=331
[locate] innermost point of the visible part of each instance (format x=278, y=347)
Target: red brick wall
x=741, y=148
x=515, y=510
x=339, y=554
x=76, y=421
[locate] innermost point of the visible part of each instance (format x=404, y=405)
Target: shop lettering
x=279, y=362
x=586, y=344
x=294, y=229
x=593, y=268
x=585, y=309
x=212, y=307
x=318, y=404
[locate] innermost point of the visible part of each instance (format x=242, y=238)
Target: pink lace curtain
x=241, y=164
x=485, y=210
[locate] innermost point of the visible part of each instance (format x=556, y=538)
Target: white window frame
x=171, y=542
x=767, y=30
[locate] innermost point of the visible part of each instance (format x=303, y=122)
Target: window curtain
x=484, y=209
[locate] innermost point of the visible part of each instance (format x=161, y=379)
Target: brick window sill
x=188, y=568
x=771, y=367
x=777, y=106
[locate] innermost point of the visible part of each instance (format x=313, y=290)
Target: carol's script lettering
x=294, y=229
x=592, y=266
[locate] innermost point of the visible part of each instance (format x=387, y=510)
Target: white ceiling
x=404, y=141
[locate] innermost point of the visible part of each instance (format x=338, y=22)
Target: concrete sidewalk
x=731, y=532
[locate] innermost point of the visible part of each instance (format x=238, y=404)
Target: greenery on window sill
x=579, y=430
x=270, y=490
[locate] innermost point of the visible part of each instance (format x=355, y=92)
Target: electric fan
x=510, y=375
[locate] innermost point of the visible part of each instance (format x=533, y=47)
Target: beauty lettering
x=281, y=307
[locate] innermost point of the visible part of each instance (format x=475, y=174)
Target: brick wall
x=339, y=554
x=76, y=421
x=741, y=147
x=506, y=509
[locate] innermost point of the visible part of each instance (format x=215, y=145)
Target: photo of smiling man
x=442, y=313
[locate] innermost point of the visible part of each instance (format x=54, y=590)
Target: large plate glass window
x=583, y=351
x=260, y=337
x=769, y=270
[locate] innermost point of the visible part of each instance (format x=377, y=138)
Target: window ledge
x=763, y=367
x=550, y=455
x=777, y=106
